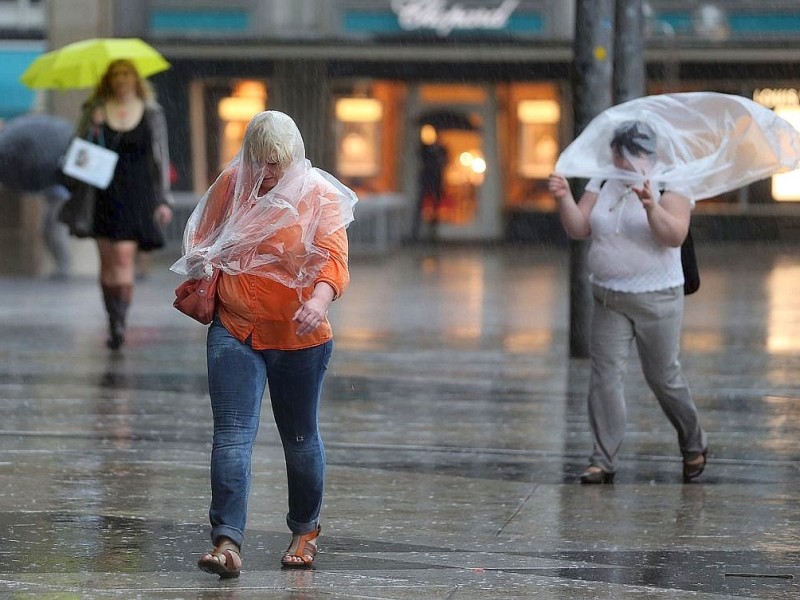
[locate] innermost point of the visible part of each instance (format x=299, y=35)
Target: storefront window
x=235, y=111
x=452, y=162
x=786, y=186
x=463, y=176
x=531, y=137
x=538, y=140
x=358, y=137
x=786, y=103
x=368, y=131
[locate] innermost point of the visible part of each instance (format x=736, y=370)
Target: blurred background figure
x=129, y=214
x=433, y=160
x=31, y=148
x=121, y=114
x=54, y=233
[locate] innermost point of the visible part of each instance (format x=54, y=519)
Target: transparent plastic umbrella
x=708, y=143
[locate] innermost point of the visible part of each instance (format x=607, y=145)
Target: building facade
x=374, y=83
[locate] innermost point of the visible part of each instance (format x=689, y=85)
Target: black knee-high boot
x=117, y=299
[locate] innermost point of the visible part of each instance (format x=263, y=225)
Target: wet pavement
x=455, y=428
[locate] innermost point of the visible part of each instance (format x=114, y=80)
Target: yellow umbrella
x=82, y=64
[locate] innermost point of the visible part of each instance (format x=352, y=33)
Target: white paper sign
x=90, y=163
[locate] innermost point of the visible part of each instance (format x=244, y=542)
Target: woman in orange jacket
x=276, y=229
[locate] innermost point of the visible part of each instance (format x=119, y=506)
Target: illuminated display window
x=538, y=140
x=358, y=137
x=786, y=104
x=247, y=99
x=530, y=139
x=786, y=186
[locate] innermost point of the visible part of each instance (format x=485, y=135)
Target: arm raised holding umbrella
x=634, y=259
x=128, y=216
x=648, y=160
x=121, y=114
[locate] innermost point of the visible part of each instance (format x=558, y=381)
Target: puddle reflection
x=783, y=289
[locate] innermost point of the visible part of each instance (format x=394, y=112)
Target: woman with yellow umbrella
x=122, y=115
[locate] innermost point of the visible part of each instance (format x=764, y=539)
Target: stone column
x=300, y=89
x=562, y=19
x=592, y=72
x=21, y=246
x=70, y=21
x=66, y=21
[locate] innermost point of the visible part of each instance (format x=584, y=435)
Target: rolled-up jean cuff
x=301, y=528
x=233, y=534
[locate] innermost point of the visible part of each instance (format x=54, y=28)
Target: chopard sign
x=437, y=15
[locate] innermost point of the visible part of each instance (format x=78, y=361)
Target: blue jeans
x=237, y=378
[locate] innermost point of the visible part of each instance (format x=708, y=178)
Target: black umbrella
x=31, y=147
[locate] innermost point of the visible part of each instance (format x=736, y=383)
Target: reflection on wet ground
x=455, y=427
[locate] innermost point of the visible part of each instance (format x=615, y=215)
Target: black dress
x=125, y=210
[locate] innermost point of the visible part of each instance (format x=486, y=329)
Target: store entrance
x=456, y=194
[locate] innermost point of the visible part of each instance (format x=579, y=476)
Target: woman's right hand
x=313, y=312
x=558, y=186
x=98, y=116
x=197, y=268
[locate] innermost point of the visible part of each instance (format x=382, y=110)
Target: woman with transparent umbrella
x=637, y=288
x=648, y=161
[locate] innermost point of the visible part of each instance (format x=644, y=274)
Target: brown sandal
x=304, y=547
x=224, y=560
x=692, y=469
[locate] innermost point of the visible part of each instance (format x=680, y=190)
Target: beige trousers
x=653, y=320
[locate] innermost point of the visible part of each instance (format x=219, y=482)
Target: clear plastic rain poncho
x=240, y=229
x=707, y=143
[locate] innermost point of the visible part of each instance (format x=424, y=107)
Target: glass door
x=456, y=177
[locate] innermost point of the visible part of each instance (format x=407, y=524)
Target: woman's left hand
x=669, y=217
x=645, y=194
x=163, y=215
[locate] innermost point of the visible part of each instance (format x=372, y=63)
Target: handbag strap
x=101, y=136
x=98, y=132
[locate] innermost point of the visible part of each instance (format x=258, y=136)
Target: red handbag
x=197, y=298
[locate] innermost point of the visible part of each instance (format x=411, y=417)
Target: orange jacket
x=258, y=306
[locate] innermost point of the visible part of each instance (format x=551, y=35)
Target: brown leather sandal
x=224, y=560
x=594, y=474
x=694, y=467
x=304, y=547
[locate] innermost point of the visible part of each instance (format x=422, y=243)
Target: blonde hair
x=271, y=136
x=103, y=90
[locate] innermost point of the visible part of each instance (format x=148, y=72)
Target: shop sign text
x=444, y=18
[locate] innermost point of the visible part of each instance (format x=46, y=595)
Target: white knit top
x=624, y=254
